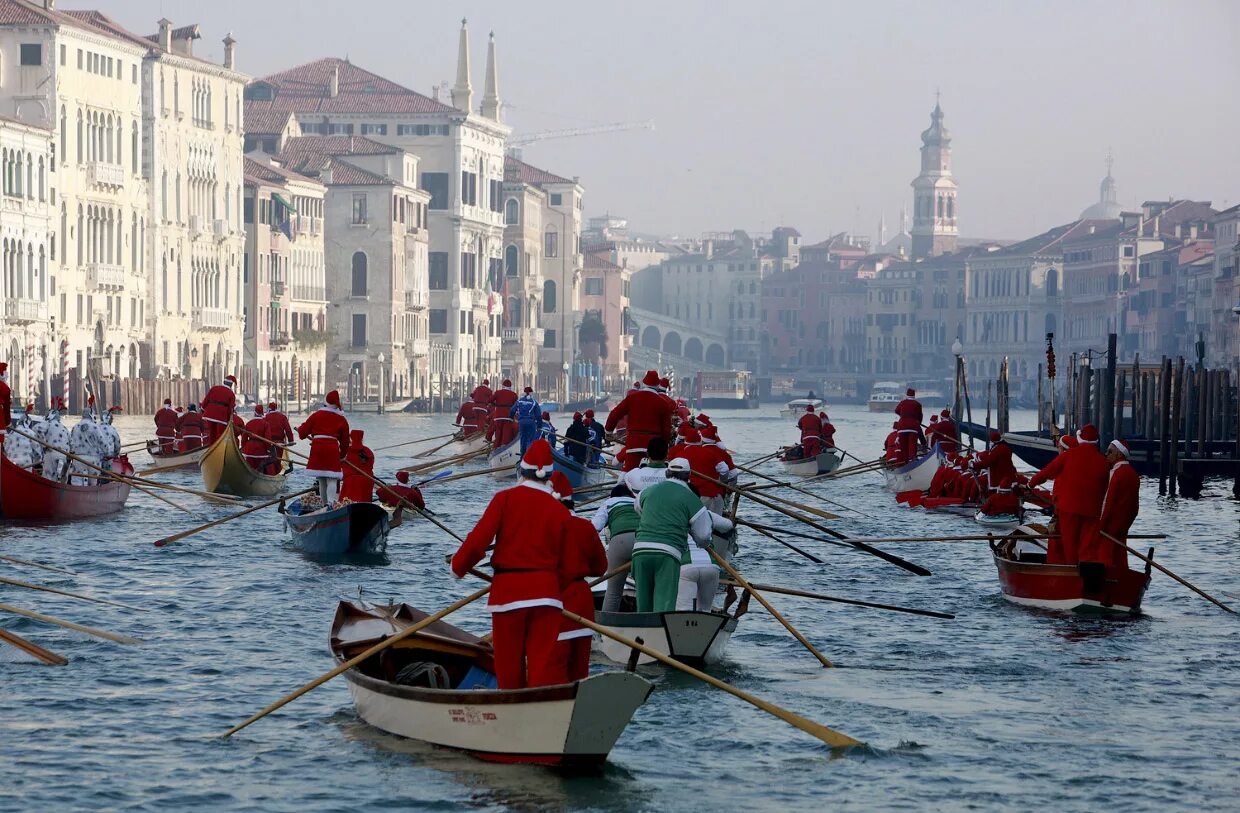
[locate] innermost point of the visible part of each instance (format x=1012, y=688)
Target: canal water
x=1003, y=708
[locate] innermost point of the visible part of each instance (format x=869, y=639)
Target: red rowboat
x=26, y=495
x=1025, y=578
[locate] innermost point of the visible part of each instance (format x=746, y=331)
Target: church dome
x=1107, y=207
x=936, y=133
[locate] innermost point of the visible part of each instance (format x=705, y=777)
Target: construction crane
x=516, y=142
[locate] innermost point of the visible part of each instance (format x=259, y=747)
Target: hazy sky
x=806, y=113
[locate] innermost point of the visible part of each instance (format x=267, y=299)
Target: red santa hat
x=182, y=409
x=1067, y=442
x=1119, y=446
x=666, y=383
x=546, y=416
x=538, y=459
x=994, y=436
x=589, y=413
x=528, y=390
x=910, y=392
x=258, y=410
x=507, y=384
x=230, y=380
x=934, y=419
x=4, y=368
x=710, y=433
x=333, y=398
x=822, y=415
x=577, y=416
x=651, y=379
x=402, y=476
x=809, y=408
x=1087, y=433
x=692, y=435
x=90, y=400
x=560, y=486
x=486, y=382
x=703, y=419
x=167, y=402
x=116, y=408
x=29, y=407
x=273, y=406
x=946, y=413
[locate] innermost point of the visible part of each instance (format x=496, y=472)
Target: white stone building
x=27, y=340
x=284, y=275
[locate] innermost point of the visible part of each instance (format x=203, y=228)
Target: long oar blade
x=168, y=540
x=32, y=649
x=44, y=588
x=60, y=622
x=28, y=563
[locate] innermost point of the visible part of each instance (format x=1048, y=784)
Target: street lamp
x=382, y=359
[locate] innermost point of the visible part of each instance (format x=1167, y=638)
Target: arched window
x=1052, y=283
x=359, y=273
x=79, y=136
x=512, y=212
x=549, y=297
x=133, y=147
x=512, y=259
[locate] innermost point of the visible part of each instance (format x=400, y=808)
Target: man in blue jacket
x=528, y=415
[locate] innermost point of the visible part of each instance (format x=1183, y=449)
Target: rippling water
x=1003, y=708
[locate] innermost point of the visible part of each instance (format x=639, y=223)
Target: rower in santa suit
x=811, y=432
x=328, y=430
x=945, y=432
x=166, y=421
x=503, y=429
x=909, y=425
x=648, y=415
x=1121, y=504
x=1002, y=477
x=583, y=557
x=189, y=427
x=708, y=460
x=278, y=427
x=254, y=446
x=482, y=394
x=357, y=486
x=467, y=419
x=6, y=400
x=1080, y=476
x=393, y=495
x=529, y=527
x=218, y=406
x=891, y=445
x=828, y=431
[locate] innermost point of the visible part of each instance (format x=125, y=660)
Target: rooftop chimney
x=326, y=175
x=230, y=52
x=165, y=34
x=334, y=89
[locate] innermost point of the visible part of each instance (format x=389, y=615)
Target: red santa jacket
x=998, y=461
x=909, y=410
x=253, y=446
x=466, y=416
x=530, y=530
x=503, y=399
x=704, y=459
x=810, y=426
x=393, y=494
x=189, y=425
x=1122, y=500
x=828, y=434
x=357, y=487
x=481, y=396
x=219, y=403
x=648, y=414
x=328, y=430
x=584, y=556
x=278, y=428
x=945, y=434
x=166, y=422
x=1080, y=476
x=6, y=405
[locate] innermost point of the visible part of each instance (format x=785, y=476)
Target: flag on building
x=282, y=215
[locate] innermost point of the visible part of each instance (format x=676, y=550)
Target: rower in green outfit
x=670, y=512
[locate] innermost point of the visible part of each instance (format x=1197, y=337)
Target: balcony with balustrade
x=420, y=347
x=105, y=277
x=106, y=174
x=24, y=311
x=212, y=319
x=277, y=288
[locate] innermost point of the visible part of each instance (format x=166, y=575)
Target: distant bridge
x=668, y=344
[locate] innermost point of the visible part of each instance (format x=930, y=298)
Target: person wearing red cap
x=6, y=399
x=503, y=430
x=598, y=438
x=278, y=427
x=190, y=429
x=546, y=429
x=1001, y=477
x=649, y=415
x=811, y=432
x=529, y=529
x=828, y=431
x=358, y=486
x=665, y=389
x=909, y=425
x=328, y=430
x=891, y=444
x=577, y=439
x=238, y=424
x=469, y=419
x=254, y=446
x=583, y=557
x=1080, y=476
x=1120, y=506
x=945, y=434
x=166, y=427
x=218, y=406
x=393, y=495
x=482, y=394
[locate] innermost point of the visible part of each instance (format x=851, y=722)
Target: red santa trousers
x=525, y=644
x=1075, y=530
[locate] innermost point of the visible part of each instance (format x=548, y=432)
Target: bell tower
x=934, y=192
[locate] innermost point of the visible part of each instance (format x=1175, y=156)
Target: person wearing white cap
x=670, y=513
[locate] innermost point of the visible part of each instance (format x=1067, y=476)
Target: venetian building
x=934, y=192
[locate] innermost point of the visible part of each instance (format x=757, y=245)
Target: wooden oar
x=168, y=540
x=467, y=474
x=719, y=560
x=356, y=659
x=1185, y=582
x=790, y=591
x=27, y=563
x=781, y=484
x=162, y=469
x=411, y=442
x=881, y=554
x=831, y=737
x=32, y=649
x=223, y=499
x=422, y=468
x=428, y=452
x=786, y=544
x=60, y=622
x=764, y=458
x=46, y=589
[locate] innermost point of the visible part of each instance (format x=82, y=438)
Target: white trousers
x=698, y=585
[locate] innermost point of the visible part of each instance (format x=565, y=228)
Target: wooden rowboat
x=473, y=443
x=1025, y=578
x=506, y=456
x=572, y=724
x=690, y=636
x=916, y=475
x=26, y=495
x=823, y=463
x=579, y=476
x=224, y=470
x=172, y=460
x=353, y=529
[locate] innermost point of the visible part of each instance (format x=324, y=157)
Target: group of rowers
x=503, y=416
x=40, y=446
x=817, y=435
x=663, y=517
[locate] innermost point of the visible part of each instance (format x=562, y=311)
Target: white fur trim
x=331, y=475
x=584, y=632
x=1119, y=446
x=525, y=603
